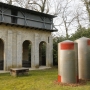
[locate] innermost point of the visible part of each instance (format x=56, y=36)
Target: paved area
x=40, y=68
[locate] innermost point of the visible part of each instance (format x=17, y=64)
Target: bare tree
x=9, y=1
x=20, y=3
x=65, y=15
x=87, y=5
x=37, y=5
x=40, y=5
x=80, y=17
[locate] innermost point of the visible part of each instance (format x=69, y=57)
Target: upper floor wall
x=24, y=17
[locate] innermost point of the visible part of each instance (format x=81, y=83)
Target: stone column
x=9, y=50
x=36, y=51
x=19, y=50
x=33, y=55
x=49, y=53
x=5, y=53
x=14, y=49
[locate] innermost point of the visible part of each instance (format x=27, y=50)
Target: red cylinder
x=67, y=62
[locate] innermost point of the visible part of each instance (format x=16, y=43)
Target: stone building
x=24, y=34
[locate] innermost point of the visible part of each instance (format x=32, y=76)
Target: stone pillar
x=36, y=51
x=14, y=49
x=5, y=53
x=49, y=52
x=33, y=55
x=9, y=50
x=19, y=50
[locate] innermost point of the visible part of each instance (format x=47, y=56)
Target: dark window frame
x=14, y=13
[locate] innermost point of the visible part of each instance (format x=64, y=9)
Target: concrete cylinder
x=83, y=58
x=67, y=62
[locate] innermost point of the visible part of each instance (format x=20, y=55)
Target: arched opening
x=1, y=55
x=42, y=53
x=26, y=55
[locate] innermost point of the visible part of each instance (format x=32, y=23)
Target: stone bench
x=19, y=71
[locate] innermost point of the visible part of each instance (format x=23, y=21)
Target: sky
x=74, y=6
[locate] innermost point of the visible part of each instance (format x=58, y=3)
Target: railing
x=26, y=21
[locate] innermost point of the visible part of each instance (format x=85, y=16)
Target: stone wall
x=13, y=38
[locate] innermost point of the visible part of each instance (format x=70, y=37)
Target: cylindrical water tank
x=67, y=62
x=83, y=58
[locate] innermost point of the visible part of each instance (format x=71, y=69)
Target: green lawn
x=36, y=80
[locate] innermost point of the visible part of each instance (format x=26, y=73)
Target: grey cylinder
x=67, y=62
x=83, y=58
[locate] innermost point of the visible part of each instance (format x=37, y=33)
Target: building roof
x=28, y=11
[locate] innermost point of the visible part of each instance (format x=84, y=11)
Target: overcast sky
x=75, y=5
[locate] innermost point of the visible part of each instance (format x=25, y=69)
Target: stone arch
x=26, y=53
x=42, y=53
x=1, y=54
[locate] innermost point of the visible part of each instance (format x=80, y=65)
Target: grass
x=36, y=80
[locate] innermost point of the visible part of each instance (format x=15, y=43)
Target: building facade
x=24, y=36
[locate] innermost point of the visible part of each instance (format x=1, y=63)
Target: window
x=14, y=18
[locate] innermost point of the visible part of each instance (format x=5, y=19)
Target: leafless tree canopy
x=37, y=5
x=87, y=5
